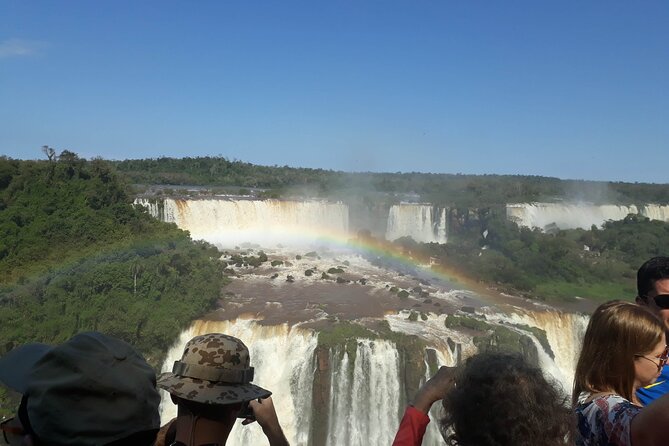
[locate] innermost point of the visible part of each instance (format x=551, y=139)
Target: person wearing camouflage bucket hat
x=211, y=386
x=214, y=369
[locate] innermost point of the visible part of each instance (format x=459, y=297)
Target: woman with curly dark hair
x=624, y=349
x=496, y=399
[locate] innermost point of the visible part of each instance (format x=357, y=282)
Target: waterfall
x=656, y=212
x=365, y=396
x=564, y=333
x=365, y=399
x=577, y=215
x=432, y=434
x=155, y=208
x=340, y=414
x=231, y=222
x=565, y=216
x=283, y=360
x=422, y=222
x=448, y=344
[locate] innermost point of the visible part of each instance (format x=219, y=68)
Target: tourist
x=495, y=399
x=652, y=282
x=624, y=348
x=90, y=390
x=211, y=387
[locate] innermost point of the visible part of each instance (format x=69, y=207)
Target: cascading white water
x=366, y=390
x=578, y=215
x=283, y=358
x=154, y=207
x=231, y=222
x=434, y=331
x=432, y=434
x=364, y=401
x=365, y=396
x=340, y=419
x=564, y=332
x=422, y=222
x=656, y=212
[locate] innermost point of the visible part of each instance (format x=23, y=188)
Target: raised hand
x=265, y=415
x=435, y=388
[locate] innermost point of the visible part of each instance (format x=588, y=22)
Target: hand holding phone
x=246, y=412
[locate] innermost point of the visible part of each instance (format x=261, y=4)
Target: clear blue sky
x=573, y=89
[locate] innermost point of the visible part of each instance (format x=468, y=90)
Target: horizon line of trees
x=441, y=189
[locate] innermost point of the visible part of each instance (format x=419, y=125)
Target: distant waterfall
x=575, y=215
x=231, y=222
x=422, y=222
x=155, y=207
x=656, y=212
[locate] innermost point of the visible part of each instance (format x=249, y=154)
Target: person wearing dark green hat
x=91, y=390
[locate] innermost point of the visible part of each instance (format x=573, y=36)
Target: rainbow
x=304, y=236
x=230, y=222
x=366, y=246
x=98, y=254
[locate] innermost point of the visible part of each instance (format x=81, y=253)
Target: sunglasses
x=661, y=300
x=662, y=358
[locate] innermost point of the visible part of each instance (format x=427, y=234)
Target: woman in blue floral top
x=624, y=348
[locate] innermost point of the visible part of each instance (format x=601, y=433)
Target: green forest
x=596, y=264
x=440, y=189
x=75, y=255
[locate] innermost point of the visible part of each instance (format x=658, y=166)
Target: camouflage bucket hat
x=214, y=369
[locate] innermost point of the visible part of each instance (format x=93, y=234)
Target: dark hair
x=501, y=400
x=650, y=272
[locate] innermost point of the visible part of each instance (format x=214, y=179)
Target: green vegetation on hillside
x=75, y=255
x=598, y=264
x=441, y=189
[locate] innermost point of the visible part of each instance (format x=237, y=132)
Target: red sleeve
x=412, y=428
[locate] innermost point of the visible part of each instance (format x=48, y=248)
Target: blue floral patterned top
x=604, y=421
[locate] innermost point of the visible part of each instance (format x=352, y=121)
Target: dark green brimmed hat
x=90, y=390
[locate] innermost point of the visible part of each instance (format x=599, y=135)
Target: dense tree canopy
x=599, y=263
x=76, y=255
